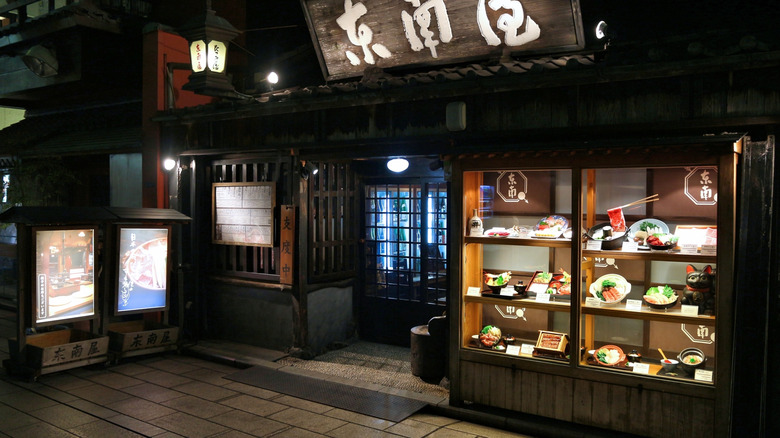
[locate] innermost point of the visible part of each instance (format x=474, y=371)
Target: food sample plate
x=552, y=221
x=621, y=285
x=637, y=226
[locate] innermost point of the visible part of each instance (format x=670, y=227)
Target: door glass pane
x=406, y=236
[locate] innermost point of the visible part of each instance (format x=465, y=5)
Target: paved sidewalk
x=176, y=395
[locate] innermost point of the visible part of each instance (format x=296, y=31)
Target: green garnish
x=601, y=355
x=608, y=283
x=666, y=290
x=645, y=225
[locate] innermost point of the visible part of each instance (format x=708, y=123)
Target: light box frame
x=91, y=258
x=122, y=280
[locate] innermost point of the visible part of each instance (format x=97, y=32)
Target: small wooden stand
x=135, y=338
x=56, y=351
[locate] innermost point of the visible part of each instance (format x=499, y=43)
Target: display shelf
x=670, y=315
x=552, y=306
x=651, y=256
x=524, y=241
x=654, y=370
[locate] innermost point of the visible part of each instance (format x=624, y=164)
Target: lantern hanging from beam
x=208, y=37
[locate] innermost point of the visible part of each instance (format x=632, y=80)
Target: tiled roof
x=378, y=80
x=89, y=13
x=697, y=53
x=85, y=130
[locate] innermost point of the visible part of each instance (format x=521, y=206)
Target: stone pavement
x=176, y=395
x=171, y=395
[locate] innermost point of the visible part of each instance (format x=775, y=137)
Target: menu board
x=142, y=274
x=243, y=213
x=64, y=274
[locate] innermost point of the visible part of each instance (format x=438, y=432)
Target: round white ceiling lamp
x=398, y=165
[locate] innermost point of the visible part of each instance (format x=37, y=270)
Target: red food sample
x=617, y=220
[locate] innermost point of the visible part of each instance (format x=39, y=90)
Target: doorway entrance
x=405, y=271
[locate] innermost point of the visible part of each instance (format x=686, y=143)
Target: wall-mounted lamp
x=41, y=61
x=308, y=169
x=208, y=37
x=398, y=165
x=268, y=81
x=601, y=30
x=169, y=164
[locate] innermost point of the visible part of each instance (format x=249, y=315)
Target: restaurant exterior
x=528, y=137
x=526, y=148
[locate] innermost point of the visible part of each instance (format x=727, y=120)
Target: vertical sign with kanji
x=287, y=245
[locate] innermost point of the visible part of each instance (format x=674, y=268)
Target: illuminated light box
x=142, y=271
x=64, y=275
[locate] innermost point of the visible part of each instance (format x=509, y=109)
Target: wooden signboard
x=353, y=35
x=287, y=245
x=243, y=213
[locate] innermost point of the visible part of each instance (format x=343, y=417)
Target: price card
x=527, y=349
x=703, y=375
x=689, y=310
x=594, y=245
x=631, y=246
x=635, y=305
x=473, y=292
x=543, y=298
x=689, y=248
x=592, y=301
x=642, y=368
x=709, y=250
x=507, y=292
x=514, y=350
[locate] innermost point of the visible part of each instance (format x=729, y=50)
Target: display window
x=627, y=256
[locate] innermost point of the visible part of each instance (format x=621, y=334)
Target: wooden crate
x=61, y=349
x=141, y=335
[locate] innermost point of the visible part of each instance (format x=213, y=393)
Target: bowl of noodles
x=691, y=359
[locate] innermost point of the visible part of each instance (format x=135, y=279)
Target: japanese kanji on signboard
x=353, y=35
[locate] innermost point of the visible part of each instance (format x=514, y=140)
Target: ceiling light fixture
x=398, y=165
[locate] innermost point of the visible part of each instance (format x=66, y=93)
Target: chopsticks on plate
x=645, y=200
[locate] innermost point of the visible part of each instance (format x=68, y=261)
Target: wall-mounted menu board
x=64, y=274
x=243, y=213
x=142, y=279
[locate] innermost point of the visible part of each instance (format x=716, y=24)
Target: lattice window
x=259, y=263
x=334, y=223
x=406, y=242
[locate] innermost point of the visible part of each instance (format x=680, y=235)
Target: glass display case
x=597, y=276
x=639, y=260
x=522, y=252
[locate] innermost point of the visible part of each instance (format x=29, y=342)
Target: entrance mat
x=364, y=401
